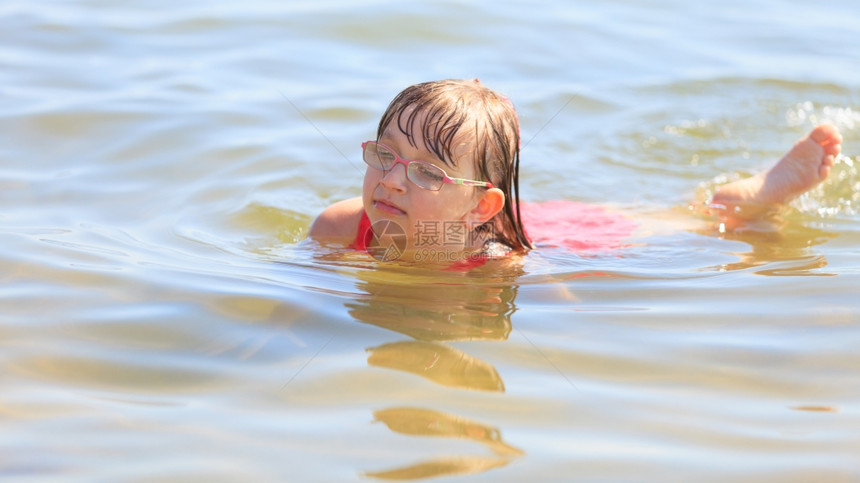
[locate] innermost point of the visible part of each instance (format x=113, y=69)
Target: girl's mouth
x=388, y=207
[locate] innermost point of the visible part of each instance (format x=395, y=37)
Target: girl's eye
x=429, y=172
x=386, y=157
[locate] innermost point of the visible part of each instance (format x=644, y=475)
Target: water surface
x=162, y=319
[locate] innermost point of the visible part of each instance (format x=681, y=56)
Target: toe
x=824, y=171
x=825, y=135
x=833, y=149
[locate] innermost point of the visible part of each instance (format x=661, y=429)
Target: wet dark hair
x=455, y=111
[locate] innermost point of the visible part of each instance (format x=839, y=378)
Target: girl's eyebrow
x=386, y=140
x=427, y=156
x=389, y=143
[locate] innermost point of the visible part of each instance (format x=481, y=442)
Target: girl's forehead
x=462, y=164
x=422, y=138
x=415, y=137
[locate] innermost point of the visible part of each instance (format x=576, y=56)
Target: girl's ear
x=491, y=202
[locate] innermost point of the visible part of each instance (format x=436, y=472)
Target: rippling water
x=161, y=318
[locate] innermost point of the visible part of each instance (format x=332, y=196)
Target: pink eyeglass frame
x=406, y=163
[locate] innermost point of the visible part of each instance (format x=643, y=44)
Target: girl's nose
x=394, y=178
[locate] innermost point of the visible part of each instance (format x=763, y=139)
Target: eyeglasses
x=424, y=175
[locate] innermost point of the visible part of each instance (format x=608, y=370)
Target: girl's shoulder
x=338, y=221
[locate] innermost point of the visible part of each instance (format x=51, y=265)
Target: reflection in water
x=436, y=308
x=440, y=467
x=782, y=247
x=423, y=422
x=439, y=363
x=431, y=310
x=817, y=409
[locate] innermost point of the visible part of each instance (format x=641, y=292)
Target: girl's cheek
x=371, y=179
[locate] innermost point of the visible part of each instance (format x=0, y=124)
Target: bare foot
x=802, y=168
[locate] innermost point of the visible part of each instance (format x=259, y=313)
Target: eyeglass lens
x=423, y=174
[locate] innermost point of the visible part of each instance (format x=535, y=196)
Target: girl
x=456, y=198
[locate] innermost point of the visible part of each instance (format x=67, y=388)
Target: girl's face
x=431, y=219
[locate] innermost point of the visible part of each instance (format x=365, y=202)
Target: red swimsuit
x=578, y=227
x=364, y=235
